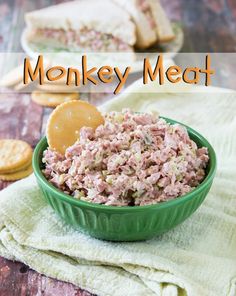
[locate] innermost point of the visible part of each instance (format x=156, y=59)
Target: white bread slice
x=103, y=16
x=146, y=35
x=164, y=29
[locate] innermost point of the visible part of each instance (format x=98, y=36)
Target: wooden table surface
x=209, y=26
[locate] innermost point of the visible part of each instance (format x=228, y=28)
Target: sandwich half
x=89, y=25
x=163, y=27
x=152, y=23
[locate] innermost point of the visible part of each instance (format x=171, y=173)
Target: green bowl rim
x=67, y=198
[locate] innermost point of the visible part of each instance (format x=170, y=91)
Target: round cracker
x=62, y=81
x=17, y=175
x=66, y=121
x=13, y=77
x=20, y=168
x=19, y=86
x=14, y=154
x=53, y=99
x=57, y=88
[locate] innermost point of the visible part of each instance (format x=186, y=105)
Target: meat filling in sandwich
x=84, y=38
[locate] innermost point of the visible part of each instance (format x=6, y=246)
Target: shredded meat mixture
x=133, y=159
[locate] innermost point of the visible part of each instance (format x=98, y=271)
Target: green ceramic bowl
x=125, y=223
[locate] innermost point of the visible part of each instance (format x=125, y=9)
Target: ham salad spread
x=134, y=159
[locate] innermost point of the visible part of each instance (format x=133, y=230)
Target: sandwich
x=163, y=27
x=84, y=25
x=152, y=23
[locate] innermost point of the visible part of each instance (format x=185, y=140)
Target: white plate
x=169, y=49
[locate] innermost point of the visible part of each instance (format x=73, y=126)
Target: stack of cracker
x=47, y=95
x=15, y=159
x=14, y=78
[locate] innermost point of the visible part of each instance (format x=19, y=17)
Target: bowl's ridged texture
x=124, y=226
x=124, y=223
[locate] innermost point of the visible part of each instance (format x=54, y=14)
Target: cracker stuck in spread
x=66, y=120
